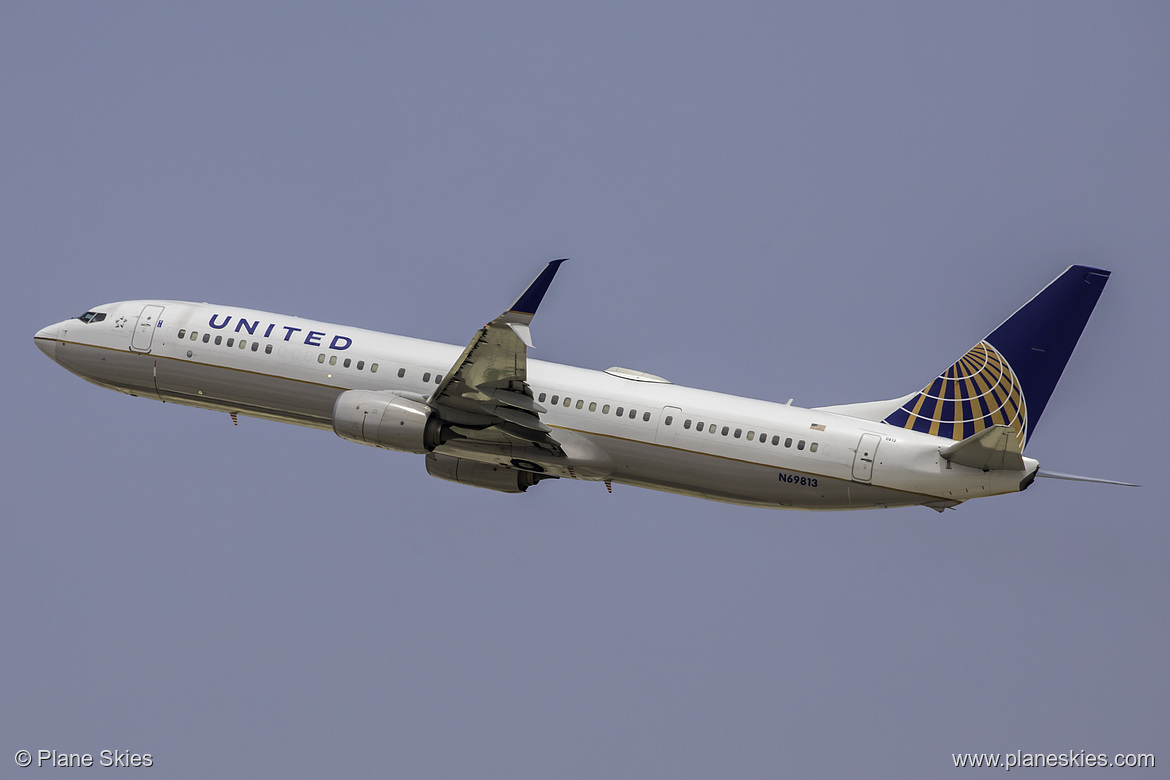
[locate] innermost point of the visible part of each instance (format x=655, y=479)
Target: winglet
x=530, y=299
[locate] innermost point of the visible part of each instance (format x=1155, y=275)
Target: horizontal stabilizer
x=992, y=449
x=1075, y=478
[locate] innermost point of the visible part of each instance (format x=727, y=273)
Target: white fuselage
x=651, y=433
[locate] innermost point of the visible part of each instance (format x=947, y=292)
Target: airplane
x=490, y=417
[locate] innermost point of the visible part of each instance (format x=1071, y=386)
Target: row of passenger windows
x=347, y=362
x=751, y=435
x=360, y=365
x=568, y=402
x=231, y=341
x=699, y=427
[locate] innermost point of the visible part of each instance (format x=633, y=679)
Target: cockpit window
x=92, y=316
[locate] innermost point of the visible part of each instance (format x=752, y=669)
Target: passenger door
x=148, y=320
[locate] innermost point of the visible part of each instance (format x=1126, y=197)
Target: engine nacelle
x=386, y=420
x=482, y=475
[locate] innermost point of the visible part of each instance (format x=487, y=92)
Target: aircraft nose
x=46, y=341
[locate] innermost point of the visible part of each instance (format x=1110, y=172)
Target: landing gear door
x=863, y=460
x=148, y=320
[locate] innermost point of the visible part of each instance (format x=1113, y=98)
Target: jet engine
x=386, y=420
x=482, y=475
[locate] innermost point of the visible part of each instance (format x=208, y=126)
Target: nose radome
x=46, y=341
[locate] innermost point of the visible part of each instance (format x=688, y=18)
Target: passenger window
x=218, y=340
x=438, y=379
x=775, y=440
x=182, y=333
x=621, y=410
x=321, y=358
x=255, y=346
x=763, y=438
x=427, y=376
x=333, y=360
x=194, y=336
x=593, y=406
x=541, y=398
x=361, y=364
x=725, y=430
x=812, y=447
x=738, y=431
x=800, y=444
x=699, y=427
x=568, y=401
x=231, y=342
x=788, y=442
x=646, y=417
x=556, y=399
x=605, y=409
x=751, y=435
x=580, y=404
x=687, y=424
x=243, y=343
x=345, y=363
x=373, y=368
x=668, y=420
x=633, y=414
x=267, y=349
x=401, y=372
x=206, y=337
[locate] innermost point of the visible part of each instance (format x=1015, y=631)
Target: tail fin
x=1008, y=377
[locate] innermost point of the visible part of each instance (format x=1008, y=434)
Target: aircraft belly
x=739, y=482
x=128, y=372
x=202, y=385
x=247, y=392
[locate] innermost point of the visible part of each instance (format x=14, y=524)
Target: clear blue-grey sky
x=823, y=201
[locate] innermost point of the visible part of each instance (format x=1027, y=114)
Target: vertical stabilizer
x=1008, y=377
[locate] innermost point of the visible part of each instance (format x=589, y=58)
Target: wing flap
x=523, y=419
x=518, y=400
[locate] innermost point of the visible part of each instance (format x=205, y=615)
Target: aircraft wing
x=486, y=395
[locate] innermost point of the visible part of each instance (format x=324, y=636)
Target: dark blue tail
x=1007, y=378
